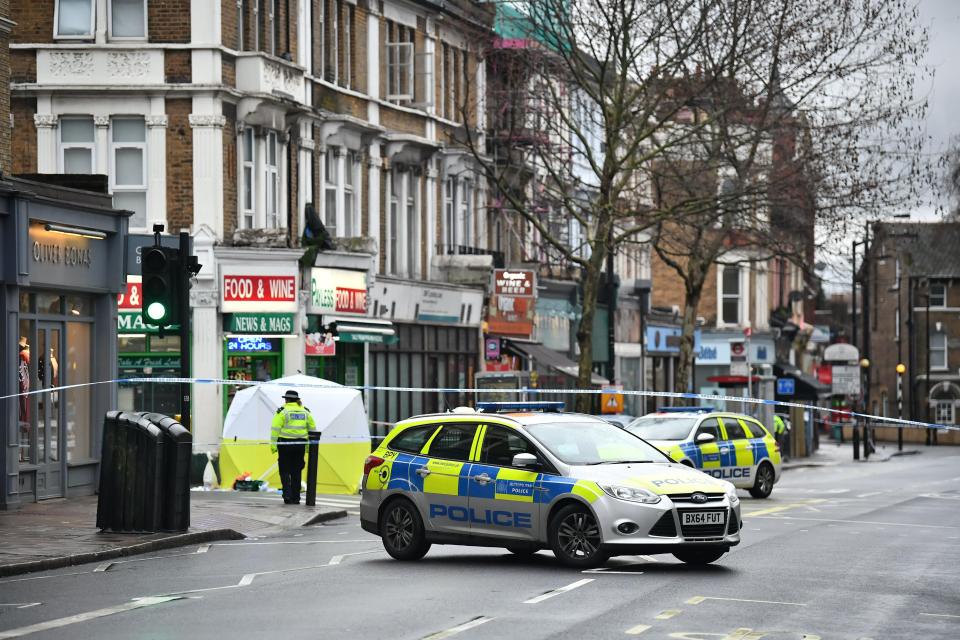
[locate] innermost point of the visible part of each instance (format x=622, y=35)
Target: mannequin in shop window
x=23, y=377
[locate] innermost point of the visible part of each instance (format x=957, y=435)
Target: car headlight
x=630, y=494
x=732, y=494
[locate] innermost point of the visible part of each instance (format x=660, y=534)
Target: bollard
x=149, y=476
x=175, y=511
x=313, y=454
x=866, y=441
x=856, y=442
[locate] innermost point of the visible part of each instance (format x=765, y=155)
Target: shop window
x=128, y=19
x=730, y=295
x=49, y=303
x=76, y=145
x=79, y=306
x=400, y=52
x=938, y=294
x=249, y=189
x=938, y=351
x=272, y=181
x=74, y=19
x=129, y=175
x=79, y=407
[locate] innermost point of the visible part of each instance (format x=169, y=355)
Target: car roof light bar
x=504, y=407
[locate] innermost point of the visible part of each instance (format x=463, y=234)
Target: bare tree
x=613, y=120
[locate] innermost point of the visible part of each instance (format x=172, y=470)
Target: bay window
x=260, y=192
x=272, y=180
x=76, y=145
x=128, y=155
x=248, y=206
x=350, y=223
x=449, y=215
x=330, y=180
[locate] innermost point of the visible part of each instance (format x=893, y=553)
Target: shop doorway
x=253, y=358
x=42, y=444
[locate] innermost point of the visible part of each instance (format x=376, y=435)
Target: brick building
x=911, y=300
x=236, y=121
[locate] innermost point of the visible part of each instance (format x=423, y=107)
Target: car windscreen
x=579, y=443
x=662, y=427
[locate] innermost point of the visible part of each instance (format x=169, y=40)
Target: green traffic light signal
x=161, y=282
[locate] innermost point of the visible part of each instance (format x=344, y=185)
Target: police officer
x=289, y=430
x=779, y=432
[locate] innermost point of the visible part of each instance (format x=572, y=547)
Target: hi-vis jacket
x=292, y=420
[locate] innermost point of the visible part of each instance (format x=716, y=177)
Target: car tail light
x=372, y=462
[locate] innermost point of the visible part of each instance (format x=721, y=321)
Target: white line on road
x=338, y=559
x=203, y=548
x=476, y=622
x=556, y=592
x=103, y=567
x=699, y=599
x=139, y=603
x=869, y=494
x=666, y=615
x=637, y=630
x=884, y=524
x=940, y=615
x=20, y=605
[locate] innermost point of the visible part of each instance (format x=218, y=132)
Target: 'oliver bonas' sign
x=66, y=261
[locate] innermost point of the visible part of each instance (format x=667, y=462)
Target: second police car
x=526, y=481
x=730, y=446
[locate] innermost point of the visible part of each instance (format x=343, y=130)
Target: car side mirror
x=525, y=460
x=703, y=438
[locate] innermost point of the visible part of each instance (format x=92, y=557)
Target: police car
x=729, y=446
x=527, y=480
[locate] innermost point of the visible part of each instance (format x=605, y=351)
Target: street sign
x=786, y=386
x=846, y=380
x=611, y=399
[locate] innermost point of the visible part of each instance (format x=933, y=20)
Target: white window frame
x=944, y=411
x=940, y=337
x=347, y=10
x=400, y=55
x=91, y=146
x=943, y=296
x=393, y=263
x=351, y=217
x=722, y=296
x=248, y=216
x=444, y=48
x=449, y=213
x=127, y=38
x=82, y=36
x=271, y=180
x=411, y=223
x=465, y=210
x=144, y=186
x=331, y=186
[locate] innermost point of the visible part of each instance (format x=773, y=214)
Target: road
x=852, y=551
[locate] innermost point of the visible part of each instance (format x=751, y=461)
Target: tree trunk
x=591, y=284
x=685, y=366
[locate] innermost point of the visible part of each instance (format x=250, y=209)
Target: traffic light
x=161, y=286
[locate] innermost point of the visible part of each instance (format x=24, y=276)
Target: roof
x=931, y=247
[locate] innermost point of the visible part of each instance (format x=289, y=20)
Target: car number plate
x=703, y=517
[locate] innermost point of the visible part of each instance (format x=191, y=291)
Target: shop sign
x=369, y=338
x=249, y=345
x=320, y=344
x=492, y=348
x=137, y=242
x=66, y=260
x=273, y=290
x=402, y=302
x=514, y=282
x=148, y=362
x=845, y=380
x=714, y=352
x=666, y=339
x=261, y=323
x=338, y=291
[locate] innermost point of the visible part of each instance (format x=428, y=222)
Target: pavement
x=62, y=532
x=832, y=452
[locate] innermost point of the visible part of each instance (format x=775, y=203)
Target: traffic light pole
x=185, y=318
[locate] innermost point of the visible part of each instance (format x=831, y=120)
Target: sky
x=942, y=90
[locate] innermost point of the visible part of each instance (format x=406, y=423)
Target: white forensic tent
x=339, y=415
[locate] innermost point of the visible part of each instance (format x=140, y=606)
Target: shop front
x=662, y=349
x=62, y=268
x=259, y=306
x=437, y=346
x=729, y=364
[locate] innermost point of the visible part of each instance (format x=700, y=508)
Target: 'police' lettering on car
x=488, y=516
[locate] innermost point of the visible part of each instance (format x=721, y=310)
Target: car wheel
x=699, y=556
x=763, y=485
x=403, y=535
x=575, y=537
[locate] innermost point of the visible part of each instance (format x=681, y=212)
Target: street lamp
x=900, y=371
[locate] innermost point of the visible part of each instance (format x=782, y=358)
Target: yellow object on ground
x=339, y=466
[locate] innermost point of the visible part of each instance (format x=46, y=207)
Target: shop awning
x=360, y=329
x=807, y=387
x=546, y=356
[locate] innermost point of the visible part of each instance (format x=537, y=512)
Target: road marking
x=869, y=494
x=56, y=575
x=637, y=630
x=884, y=524
x=203, y=548
x=699, y=599
x=103, y=567
x=20, y=605
x=744, y=633
x=666, y=615
x=246, y=580
x=353, y=513
x=242, y=544
x=476, y=622
x=138, y=603
x=619, y=568
x=940, y=615
x=556, y=592
x=338, y=559
x=785, y=507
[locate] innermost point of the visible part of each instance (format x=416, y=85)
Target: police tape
x=887, y=420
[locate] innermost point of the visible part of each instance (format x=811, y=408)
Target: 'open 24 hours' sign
x=274, y=290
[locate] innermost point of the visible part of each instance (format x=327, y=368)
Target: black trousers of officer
x=290, y=452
